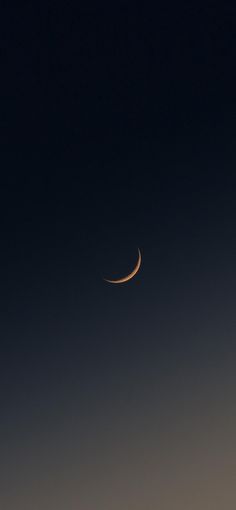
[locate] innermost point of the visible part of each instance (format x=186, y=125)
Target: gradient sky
x=118, y=132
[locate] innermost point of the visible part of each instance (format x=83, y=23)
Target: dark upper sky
x=118, y=132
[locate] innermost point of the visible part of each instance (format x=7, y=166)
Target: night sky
x=118, y=129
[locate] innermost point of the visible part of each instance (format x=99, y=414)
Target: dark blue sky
x=117, y=132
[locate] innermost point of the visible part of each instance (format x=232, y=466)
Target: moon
x=130, y=275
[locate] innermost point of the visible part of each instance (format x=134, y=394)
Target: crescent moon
x=130, y=275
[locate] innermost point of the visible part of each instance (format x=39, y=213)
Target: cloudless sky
x=117, y=132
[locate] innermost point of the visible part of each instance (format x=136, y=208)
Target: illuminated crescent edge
x=129, y=276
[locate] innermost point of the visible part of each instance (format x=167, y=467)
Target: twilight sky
x=118, y=132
